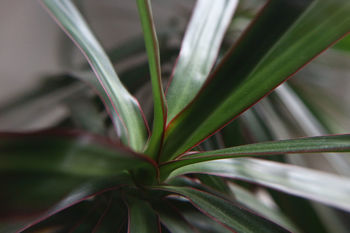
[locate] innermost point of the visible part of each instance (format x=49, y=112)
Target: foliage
x=189, y=173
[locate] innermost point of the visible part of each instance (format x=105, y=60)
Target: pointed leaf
x=299, y=181
x=265, y=56
x=232, y=216
x=84, y=192
x=66, y=152
x=123, y=107
x=152, y=48
x=251, y=201
x=98, y=215
x=332, y=143
x=199, y=50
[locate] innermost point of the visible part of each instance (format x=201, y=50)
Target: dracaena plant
x=157, y=180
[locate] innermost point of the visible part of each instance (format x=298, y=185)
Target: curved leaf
x=152, y=49
x=199, y=50
x=299, y=181
x=250, y=200
x=98, y=215
x=332, y=143
x=84, y=192
x=232, y=216
x=280, y=41
x=123, y=107
x=204, y=223
x=66, y=219
x=66, y=152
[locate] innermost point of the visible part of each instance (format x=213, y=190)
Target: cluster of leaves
x=177, y=178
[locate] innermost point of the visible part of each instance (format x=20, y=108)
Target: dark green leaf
x=99, y=215
x=234, y=217
x=84, y=192
x=171, y=218
x=278, y=43
x=204, y=223
x=66, y=152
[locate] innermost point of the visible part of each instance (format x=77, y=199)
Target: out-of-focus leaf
x=202, y=222
x=66, y=152
x=214, y=182
x=40, y=108
x=85, y=114
x=318, y=217
x=172, y=219
x=49, y=85
x=67, y=219
x=199, y=50
x=332, y=143
x=265, y=56
x=124, y=108
x=99, y=215
x=142, y=217
x=232, y=216
x=113, y=218
x=249, y=200
x=84, y=192
x=299, y=181
x=292, y=206
x=152, y=48
x=305, y=121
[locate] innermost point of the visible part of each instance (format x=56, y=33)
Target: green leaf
x=343, y=45
x=298, y=181
x=171, y=218
x=35, y=187
x=82, y=193
x=152, y=48
x=142, y=217
x=202, y=222
x=265, y=56
x=66, y=153
x=66, y=220
x=199, y=50
x=285, y=100
x=123, y=107
x=234, y=217
x=99, y=215
x=332, y=143
x=312, y=219
x=251, y=201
